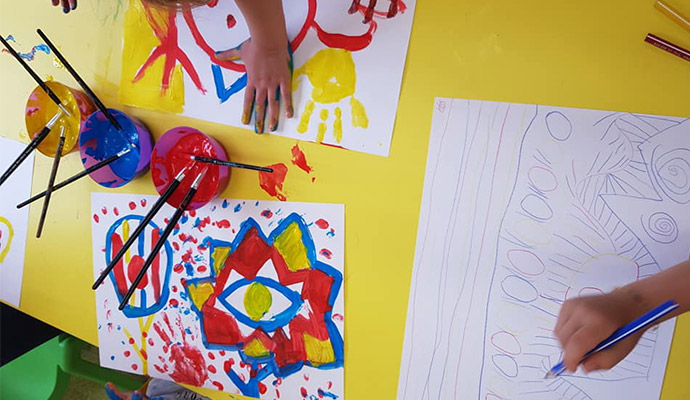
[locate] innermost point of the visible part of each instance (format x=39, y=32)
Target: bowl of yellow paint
x=40, y=109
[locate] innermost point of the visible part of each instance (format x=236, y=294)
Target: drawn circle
x=519, y=289
x=506, y=365
x=661, y=227
x=526, y=262
x=542, y=179
x=672, y=173
x=100, y=139
x=536, y=207
x=172, y=153
x=40, y=109
x=590, y=291
x=506, y=342
x=558, y=125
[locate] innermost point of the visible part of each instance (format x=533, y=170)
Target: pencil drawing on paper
x=559, y=203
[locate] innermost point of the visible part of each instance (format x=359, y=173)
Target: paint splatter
x=272, y=182
x=231, y=22
x=223, y=224
x=322, y=223
x=132, y=205
x=96, y=218
x=326, y=253
x=267, y=213
x=238, y=207
x=299, y=159
x=31, y=54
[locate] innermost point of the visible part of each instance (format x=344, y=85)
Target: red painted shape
x=212, y=369
x=211, y=356
x=299, y=159
x=223, y=224
x=132, y=205
x=218, y=385
x=212, y=3
x=220, y=327
x=267, y=214
x=135, y=367
x=322, y=223
x=262, y=388
x=201, y=268
x=156, y=267
x=178, y=268
x=95, y=218
x=116, y=211
x=326, y=253
x=131, y=341
x=127, y=353
x=143, y=202
x=133, y=269
x=247, y=259
x=190, y=366
x=303, y=391
x=174, y=303
x=150, y=341
x=176, y=246
x=272, y=182
x=316, y=289
x=231, y=22
x=118, y=270
x=104, y=210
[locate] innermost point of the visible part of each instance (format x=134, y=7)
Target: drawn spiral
x=672, y=171
x=662, y=228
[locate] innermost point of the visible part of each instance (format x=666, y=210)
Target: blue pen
x=635, y=326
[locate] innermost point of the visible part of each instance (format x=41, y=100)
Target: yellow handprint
x=331, y=73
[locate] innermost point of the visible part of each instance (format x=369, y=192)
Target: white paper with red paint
x=171, y=332
x=525, y=207
x=13, y=222
x=366, y=68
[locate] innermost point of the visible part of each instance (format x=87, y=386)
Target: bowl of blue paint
x=99, y=140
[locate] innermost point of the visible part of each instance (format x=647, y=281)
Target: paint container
x=99, y=140
x=172, y=154
x=40, y=109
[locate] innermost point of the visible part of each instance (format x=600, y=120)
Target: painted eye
x=261, y=303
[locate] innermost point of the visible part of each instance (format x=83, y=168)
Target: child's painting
x=13, y=222
x=348, y=60
x=245, y=297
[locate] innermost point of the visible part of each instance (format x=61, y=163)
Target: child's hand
x=586, y=321
x=269, y=79
x=67, y=5
x=114, y=394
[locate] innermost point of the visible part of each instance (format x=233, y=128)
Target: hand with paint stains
x=114, y=394
x=268, y=61
x=67, y=5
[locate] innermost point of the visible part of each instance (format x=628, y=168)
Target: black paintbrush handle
x=25, y=153
x=142, y=225
x=80, y=81
x=51, y=182
x=31, y=72
x=157, y=247
x=231, y=164
x=73, y=178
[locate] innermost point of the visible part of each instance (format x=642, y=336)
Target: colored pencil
x=230, y=164
x=38, y=80
x=668, y=46
x=76, y=177
x=51, y=182
x=142, y=225
x=161, y=241
x=30, y=147
x=640, y=323
x=673, y=14
x=81, y=82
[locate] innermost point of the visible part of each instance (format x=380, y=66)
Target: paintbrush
x=38, y=80
x=51, y=181
x=161, y=241
x=229, y=164
x=30, y=147
x=80, y=81
x=142, y=225
x=76, y=177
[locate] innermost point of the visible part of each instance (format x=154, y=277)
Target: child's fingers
x=65, y=6
x=286, y=95
x=273, y=109
x=249, y=93
x=608, y=358
x=581, y=341
x=73, y=4
x=113, y=393
x=55, y=2
x=260, y=110
x=230, y=54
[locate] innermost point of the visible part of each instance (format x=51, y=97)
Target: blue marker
x=640, y=323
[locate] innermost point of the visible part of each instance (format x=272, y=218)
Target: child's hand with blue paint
x=114, y=394
x=67, y=5
x=267, y=60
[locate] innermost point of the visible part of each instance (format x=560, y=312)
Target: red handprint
x=188, y=364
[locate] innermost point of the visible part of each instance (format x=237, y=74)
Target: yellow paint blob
x=331, y=73
x=199, y=293
x=319, y=352
x=289, y=245
x=323, y=114
x=322, y=132
x=359, y=114
x=257, y=301
x=139, y=42
x=7, y=242
x=125, y=238
x=338, y=125
x=40, y=109
x=256, y=349
x=305, y=117
x=220, y=254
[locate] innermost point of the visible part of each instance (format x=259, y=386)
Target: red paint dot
x=135, y=367
x=322, y=223
x=104, y=210
x=174, y=289
x=144, y=355
x=212, y=369
x=222, y=352
x=262, y=388
x=143, y=202
x=116, y=211
x=303, y=392
x=131, y=340
x=267, y=213
x=176, y=246
x=212, y=3
x=223, y=223
x=132, y=205
x=211, y=356
x=192, y=213
x=174, y=303
x=218, y=385
x=95, y=218
x=127, y=353
x=231, y=21
x=227, y=365
x=201, y=268
x=150, y=342
x=330, y=385
x=178, y=268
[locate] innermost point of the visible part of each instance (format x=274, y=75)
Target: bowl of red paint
x=172, y=153
x=99, y=140
x=40, y=109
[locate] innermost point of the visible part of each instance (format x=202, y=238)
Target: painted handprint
x=185, y=362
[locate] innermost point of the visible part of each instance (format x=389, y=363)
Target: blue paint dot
x=238, y=207
x=225, y=204
x=112, y=358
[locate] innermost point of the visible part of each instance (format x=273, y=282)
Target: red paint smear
x=132, y=205
x=223, y=223
x=330, y=385
x=299, y=159
x=326, y=253
x=95, y=218
x=227, y=365
x=313, y=179
x=155, y=267
x=144, y=355
x=135, y=367
x=272, y=182
x=116, y=211
x=212, y=369
x=322, y=223
x=306, y=377
x=331, y=145
x=133, y=269
x=190, y=367
x=267, y=213
x=218, y=385
x=262, y=388
x=231, y=21
x=118, y=270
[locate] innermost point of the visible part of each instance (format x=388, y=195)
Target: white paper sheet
x=347, y=73
x=13, y=222
x=193, y=323
x=525, y=206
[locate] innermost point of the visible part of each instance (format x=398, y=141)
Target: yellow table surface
x=586, y=54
